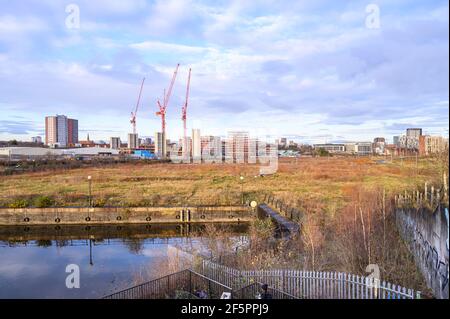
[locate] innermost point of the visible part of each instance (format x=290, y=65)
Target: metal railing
x=309, y=284
x=185, y=284
x=285, y=210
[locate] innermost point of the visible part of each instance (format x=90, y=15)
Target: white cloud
x=119, y=7
x=10, y=25
x=168, y=47
x=167, y=16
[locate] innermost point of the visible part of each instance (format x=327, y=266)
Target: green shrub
x=19, y=203
x=43, y=201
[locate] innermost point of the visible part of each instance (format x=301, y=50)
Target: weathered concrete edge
x=123, y=215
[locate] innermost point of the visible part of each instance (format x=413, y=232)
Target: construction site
x=159, y=147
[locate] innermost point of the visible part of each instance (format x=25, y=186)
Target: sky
x=313, y=71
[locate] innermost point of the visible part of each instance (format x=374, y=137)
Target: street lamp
x=90, y=190
x=242, y=189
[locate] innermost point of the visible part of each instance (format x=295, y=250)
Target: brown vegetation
x=328, y=181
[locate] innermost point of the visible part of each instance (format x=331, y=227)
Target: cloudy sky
x=314, y=71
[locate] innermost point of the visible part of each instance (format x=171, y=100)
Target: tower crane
x=133, y=114
x=162, y=108
x=183, y=114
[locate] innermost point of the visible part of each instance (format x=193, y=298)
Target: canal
x=33, y=259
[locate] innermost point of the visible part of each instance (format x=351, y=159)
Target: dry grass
x=327, y=181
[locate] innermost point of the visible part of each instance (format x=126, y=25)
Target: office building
x=363, y=148
x=238, y=141
x=396, y=141
x=115, y=143
x=72, y=132
x=350, y=148
x=211, y=148
x=133, y=141
x=147, y=141
x=409, y=142
x=160, y=145
x=379, y=145
x=414, y=132
x=60, y=131
x=196, y=145
x=332, y=148
x=51, y=133
x=429, y=145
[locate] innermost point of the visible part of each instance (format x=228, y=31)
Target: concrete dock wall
x=126, y=215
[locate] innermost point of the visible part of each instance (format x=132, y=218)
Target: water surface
x=33, y=259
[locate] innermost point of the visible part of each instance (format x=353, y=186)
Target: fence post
x=357, y=293
x=445, y=186
x=190, y=282
x=432, y=196
x=209, y=290
x=168, y=284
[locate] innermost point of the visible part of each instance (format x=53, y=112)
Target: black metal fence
x=188, y=284
x=185, y=284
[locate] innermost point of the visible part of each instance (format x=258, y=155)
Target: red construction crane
x=162, y=108
x=133, y=114
x=183, y=112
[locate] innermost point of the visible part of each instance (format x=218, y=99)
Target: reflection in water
x=33, y=259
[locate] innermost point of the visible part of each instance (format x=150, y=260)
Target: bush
x=19, y=203
x=323, y=152
x=43, y=201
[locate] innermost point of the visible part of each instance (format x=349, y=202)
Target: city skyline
x=316, y=71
